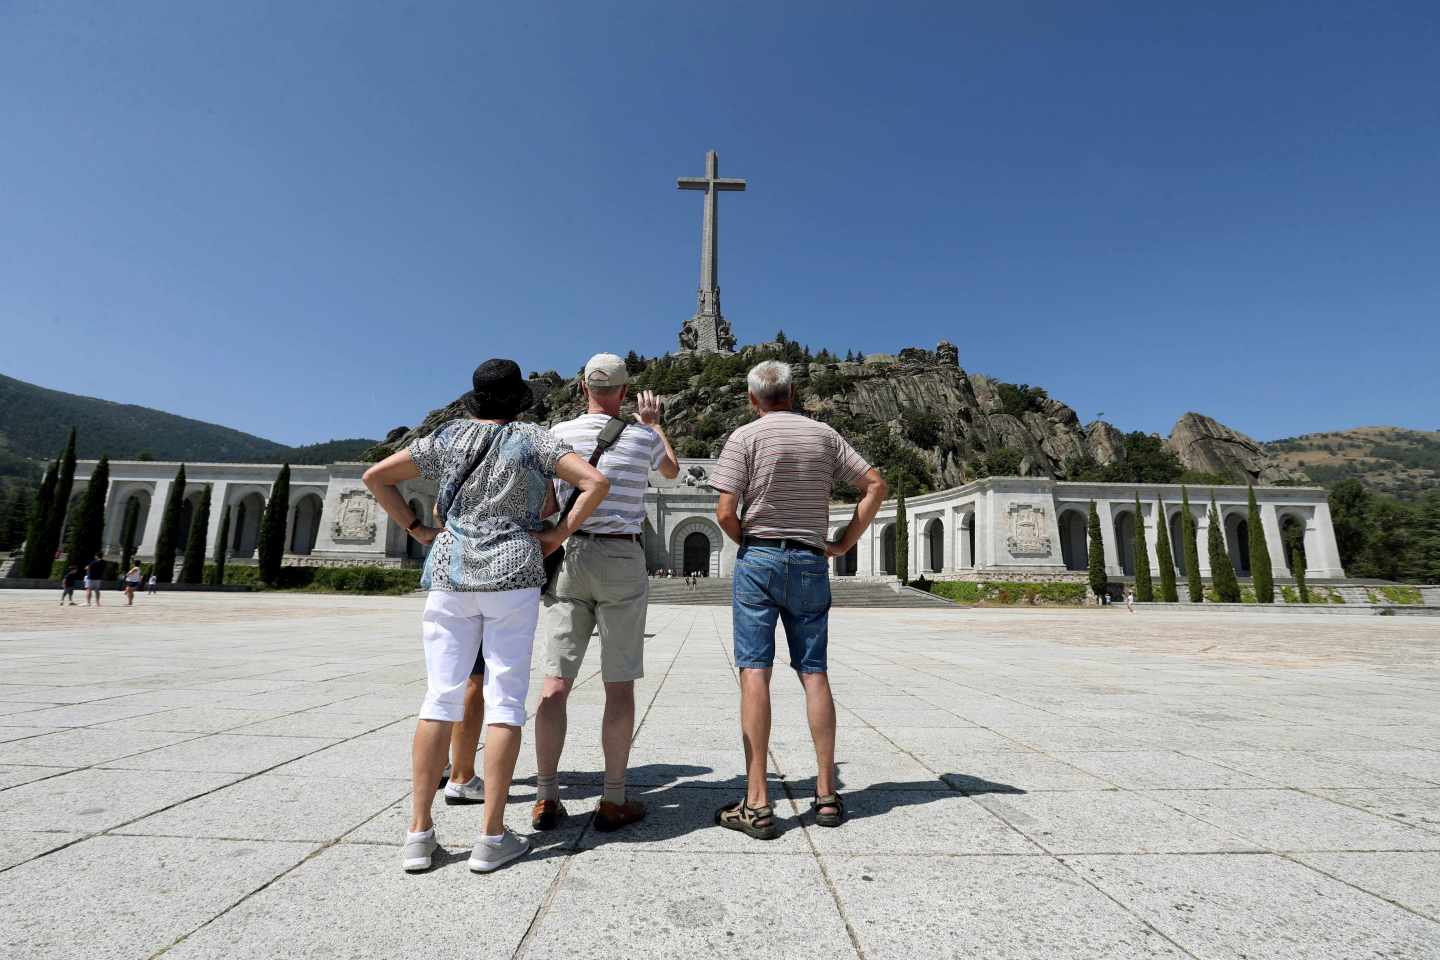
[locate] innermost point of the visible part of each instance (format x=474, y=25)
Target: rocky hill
x=920, y=417
x=1401, y=463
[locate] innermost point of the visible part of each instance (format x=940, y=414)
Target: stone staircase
x=844, y=592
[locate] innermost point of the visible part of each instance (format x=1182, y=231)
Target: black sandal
x=828, y=819
x=757, y=822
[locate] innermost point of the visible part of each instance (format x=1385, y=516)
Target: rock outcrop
x=1208, y=446
x=918, y=400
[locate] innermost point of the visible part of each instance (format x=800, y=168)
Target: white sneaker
x=459, y=794
x=489, y=856
x=418, y=850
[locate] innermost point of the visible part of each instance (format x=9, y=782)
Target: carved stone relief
x=1029, y=533
x=355, y=518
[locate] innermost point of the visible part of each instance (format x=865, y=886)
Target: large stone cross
x=707, y=330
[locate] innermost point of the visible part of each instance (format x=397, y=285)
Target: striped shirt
x=626, y=465
x=782, y=467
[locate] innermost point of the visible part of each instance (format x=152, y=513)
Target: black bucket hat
x=499, y=391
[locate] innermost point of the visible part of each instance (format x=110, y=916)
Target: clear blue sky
x=311, y=220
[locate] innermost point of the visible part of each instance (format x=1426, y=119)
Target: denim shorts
x=792, y=586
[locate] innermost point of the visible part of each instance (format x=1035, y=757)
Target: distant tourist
x=1130, y=599
x=132, y=583
x=782, y=467
x=150, y=584
x=67, y=585
x=601, y=583
x=484, y=571
x=94, y=579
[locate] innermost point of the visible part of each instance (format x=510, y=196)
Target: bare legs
x=427, y=759
x=465, y=736
x=502, y=749
x=755, y=730
x=550, y=725
x=617, y=728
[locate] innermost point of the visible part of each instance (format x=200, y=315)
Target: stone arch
x=1237, y=542
x=683, y=534
x=1074, y=548
x=1125, y=541
x=245, y=514
x=887, y=550
x=1293, y=531
x=305, y=523
x=849, y=564
x=935, y=545
x=1177, y=540
x=965, y=547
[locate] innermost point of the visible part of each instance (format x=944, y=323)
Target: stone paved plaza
x=226, y=776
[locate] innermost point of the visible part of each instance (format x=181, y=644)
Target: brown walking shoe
x=613, y=816
x=547, y=814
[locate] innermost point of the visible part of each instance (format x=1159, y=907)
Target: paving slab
x=1108, y=822
x=17, y=846
x=1156, y=769
x=1259, y=906
x=1418, y=808
x=1292, y=820
x=13, y=776
x=83, y=747
x=617, y=902
x=90, y=800
x=224, y=753
x=129, y=896
x=995, y=907
x=1407, y=879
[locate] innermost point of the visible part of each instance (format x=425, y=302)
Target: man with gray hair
x=604, y=582
x=782, y=467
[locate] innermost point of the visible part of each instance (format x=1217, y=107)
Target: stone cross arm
x=705, y=183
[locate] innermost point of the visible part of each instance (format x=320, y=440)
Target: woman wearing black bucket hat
x=485, y=570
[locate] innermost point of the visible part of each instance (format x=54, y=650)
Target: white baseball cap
x=605, y=370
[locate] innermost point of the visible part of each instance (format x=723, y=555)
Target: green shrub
x=371, y=580
x=961, y=591
x=1289, y=594
x=1405, y=596
x=1006, y=593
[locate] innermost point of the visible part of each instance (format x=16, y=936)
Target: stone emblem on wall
x=355, y=519
x=1029, y=533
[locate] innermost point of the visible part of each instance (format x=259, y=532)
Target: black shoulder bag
x=608, y=435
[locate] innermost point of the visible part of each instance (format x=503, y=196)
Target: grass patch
x=1404, y=596
x=1004, y=593
x=392, y=581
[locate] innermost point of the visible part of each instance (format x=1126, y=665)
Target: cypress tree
x=272, y=528
x=1297, y=567
x=1222, y=571
x=59, y=506
x=90, y=527
x=39, y=522
x=72, y=527
x=1260, y=556
x=194, y=569
x=1192, y=548
x=1164, y=556
x=165, y=543
x=217, y=576
x=1144, y=587
x=129, y=527
x=13, y=519
x=1098, y=580
x=902, y=539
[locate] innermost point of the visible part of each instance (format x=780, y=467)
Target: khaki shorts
x=602, y=582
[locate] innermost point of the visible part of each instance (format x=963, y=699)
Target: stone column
x=1270, y=523
x=158, y=496
x=219, y=489
x=1322, y=553
x=1107, y=538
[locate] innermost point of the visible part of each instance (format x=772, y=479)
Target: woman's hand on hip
x=425, y=535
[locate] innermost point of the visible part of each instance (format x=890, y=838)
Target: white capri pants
x=455, y=624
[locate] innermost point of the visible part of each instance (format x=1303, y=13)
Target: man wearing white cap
x=604, y=582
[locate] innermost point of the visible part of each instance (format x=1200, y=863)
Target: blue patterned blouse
x=486, y=543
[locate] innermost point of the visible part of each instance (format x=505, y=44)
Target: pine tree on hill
x=1164, y=556
x=59, y=505
x=1222, y=571
x=129, y=531
x=1192, y=548
x=193, y=570
x=1144, y=587
x=222, y=541
x=902, y=539
x=90, y=527
x=37, y=562
x=272, y=528
x=1260, y=571
x=167, y=541
x=1297, y=568
x=13, y=515
x=1098, y=580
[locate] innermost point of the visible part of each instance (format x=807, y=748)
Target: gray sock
x=547, y=788
x=614, y=791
